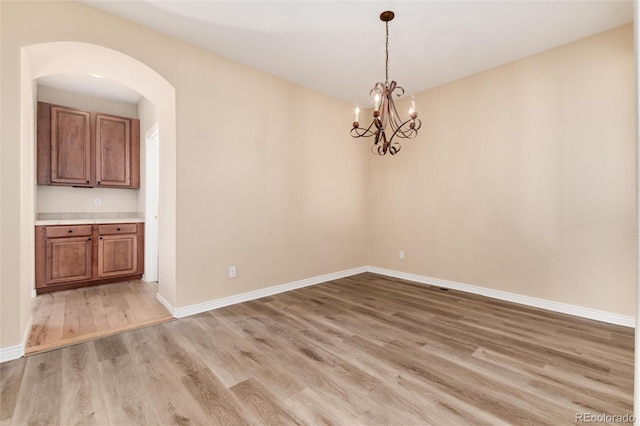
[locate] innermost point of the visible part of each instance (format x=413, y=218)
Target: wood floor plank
x=82, y=400
x=308, y=406
x=11, y=375
x=110, y=347
x=304, y=363
x=202, y=384
x=69, y=317
x=160, y=377
x=256, y=399
x=40, y=395
x=124, y=392
x=169, y=397
x=213, y=350
x=253, y=361
x=365, y=349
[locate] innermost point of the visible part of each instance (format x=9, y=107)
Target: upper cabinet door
x=70, y=146
x=113, y=151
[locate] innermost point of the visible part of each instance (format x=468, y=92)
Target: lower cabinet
x=68, y=260
x=82, y=255
x=117, y=250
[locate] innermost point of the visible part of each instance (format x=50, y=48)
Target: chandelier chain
x=386, y=60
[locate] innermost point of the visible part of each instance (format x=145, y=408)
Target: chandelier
x=387, y=127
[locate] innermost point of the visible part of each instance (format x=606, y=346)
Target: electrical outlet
x=401, y=254
x=232, y=271
x=97, y=201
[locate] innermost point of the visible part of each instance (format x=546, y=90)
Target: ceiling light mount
x=387, y=127
x=387, y=16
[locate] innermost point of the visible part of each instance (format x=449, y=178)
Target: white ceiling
x=337, y=47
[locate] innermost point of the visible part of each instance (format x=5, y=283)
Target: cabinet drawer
x=118, y=228
x=68, y=231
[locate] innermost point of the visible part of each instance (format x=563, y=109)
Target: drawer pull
x=89, y=239
x=88, y=182
x=70, y=230
x=118, y=229
x=100, y=237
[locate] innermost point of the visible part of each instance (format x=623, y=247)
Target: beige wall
x=272, y=191
x=11, y=301
x=62, y=199
x=261, y=184
x=522, y=180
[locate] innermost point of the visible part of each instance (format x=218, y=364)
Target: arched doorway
x=45, y=59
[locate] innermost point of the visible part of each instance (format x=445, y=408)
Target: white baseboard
x=166, y=304
x=564, y=308
x=11, y=352
x=257, y=294
x=14, y=352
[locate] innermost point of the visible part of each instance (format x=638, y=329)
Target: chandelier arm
x=409, y=132
x=397, y=88
x=404, y=132
x=358, y=132
x=394, y=148
x=378, y=89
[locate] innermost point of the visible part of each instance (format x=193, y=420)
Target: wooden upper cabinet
x=81, y=148
x=113, y=151
x=70, y=146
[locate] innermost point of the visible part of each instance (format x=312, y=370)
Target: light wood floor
x=361, y=350
x=64, y=318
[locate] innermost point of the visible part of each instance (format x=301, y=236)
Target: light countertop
x=45, y=219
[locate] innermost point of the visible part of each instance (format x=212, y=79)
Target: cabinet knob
x=70, y=230
x=98, y=182
x=89, y=239
x=100, y=237
x=118, y=229
x=88, y=182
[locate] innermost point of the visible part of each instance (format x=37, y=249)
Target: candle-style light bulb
x=412, y=110
x=376, y=101
x=357, y=113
